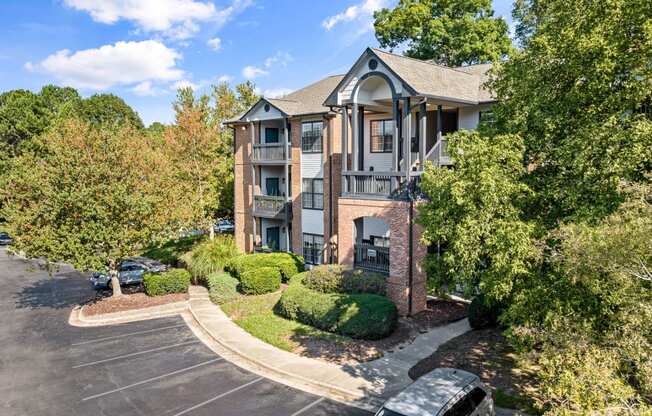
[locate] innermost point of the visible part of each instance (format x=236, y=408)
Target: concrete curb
x=79, y=319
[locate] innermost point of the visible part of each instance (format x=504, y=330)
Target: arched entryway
x=371, y=244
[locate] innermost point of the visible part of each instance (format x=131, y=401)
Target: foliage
x=170, y=252
x=210, y=256
x=474, y=212
x=88, y=196
x=483, y=313
x=170, y=281
x=222, y=287
x=362, y=316
x=255, y=315
x=336, y=278
x=287, y=263
x=449, y=32
x=106, y=110
x=260, y=281
x=23, y=116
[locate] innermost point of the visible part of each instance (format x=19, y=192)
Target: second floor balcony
x=275, y=207
x=271, y=153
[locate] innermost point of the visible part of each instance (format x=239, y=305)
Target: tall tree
x=107, y=110
x=89, y=196
x=23, y=116
x=449, y=32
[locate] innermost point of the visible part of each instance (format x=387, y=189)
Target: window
x=313, y=193
x=313, y=248
x=379, y=241
x=487, y=116
x=311, y=136
x=464, y=407
x=271, y=135
x=477, y=395
x=382, y=135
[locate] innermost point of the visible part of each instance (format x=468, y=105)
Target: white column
x=252, y=135
x=354, y=137
x=407, y=137
x=423, y=130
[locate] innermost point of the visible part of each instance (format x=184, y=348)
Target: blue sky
x=142, y=50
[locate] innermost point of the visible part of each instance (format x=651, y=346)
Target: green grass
x=509, y=401
x=255, y=315
x=170, y=251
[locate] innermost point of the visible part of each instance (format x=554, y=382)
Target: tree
x=573, y=93
x=23, y=116
x=55, y=97
x=474, y=213
x=449, y=32
x=107, y=110
x=89, y=196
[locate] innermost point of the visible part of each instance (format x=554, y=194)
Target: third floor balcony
x=271, y=153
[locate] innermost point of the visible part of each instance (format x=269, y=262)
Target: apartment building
x=295, y=191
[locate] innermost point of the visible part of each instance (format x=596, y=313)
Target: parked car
x=442, y=392
x=5, y=239
x=130, y=272
x=224, y=226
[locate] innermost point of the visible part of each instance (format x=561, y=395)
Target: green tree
x=473, y=212
x=23, y=116
x=106, y=110
x=89, y=196
x=56, y=97
x=449, y=32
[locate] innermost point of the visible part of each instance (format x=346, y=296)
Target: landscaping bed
x=485, y=352
x=133, y=297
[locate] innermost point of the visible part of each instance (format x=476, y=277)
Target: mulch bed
x=133, y=298
x=439, y=312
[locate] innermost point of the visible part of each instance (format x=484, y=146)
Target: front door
x=273, y=238
x=272, y=187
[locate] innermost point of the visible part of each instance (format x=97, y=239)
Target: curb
x=356, y=399
x=79, y=319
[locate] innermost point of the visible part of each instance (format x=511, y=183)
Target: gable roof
x=482, y=72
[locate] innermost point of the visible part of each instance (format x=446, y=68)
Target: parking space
x=155, y=367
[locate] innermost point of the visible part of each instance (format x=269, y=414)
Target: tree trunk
x=115, y=283
x=211, y=232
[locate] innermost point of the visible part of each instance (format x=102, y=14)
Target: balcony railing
x=439, y=155
x=271, y=152
x=271, y=206
x=372, y=258
x=381, y=184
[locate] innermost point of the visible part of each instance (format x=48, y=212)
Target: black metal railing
x=271, y=152
x=372, y=258
x=271, y=206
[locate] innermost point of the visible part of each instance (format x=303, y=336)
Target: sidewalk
x=366, y=385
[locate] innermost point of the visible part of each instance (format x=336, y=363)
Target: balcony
x=271, y=153
x=371, y=258
x=272, y=207
x=364, y=184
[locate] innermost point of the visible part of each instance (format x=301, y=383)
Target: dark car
x=130, y=272
x=5, y=240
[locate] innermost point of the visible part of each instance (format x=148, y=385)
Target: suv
x=5, y=239
x=442, y=392
x=224, y=226
x=130, y=271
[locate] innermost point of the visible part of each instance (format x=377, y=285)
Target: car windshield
x=3, y=234
x=387, y=412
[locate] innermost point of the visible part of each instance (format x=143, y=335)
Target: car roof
x=431, y=393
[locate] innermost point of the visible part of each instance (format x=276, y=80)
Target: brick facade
x=332, y=184
x=396, y=215
x=297, y=236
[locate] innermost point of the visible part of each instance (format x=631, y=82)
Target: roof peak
x=429, y=62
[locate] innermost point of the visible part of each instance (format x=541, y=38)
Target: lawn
x=255, y=315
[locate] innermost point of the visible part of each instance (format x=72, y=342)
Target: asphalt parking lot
x=155, y=367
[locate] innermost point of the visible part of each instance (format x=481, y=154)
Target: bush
x=337, y=279
x=260, y=281
x=171, y=251
x=482, y=313
x=362, y=316
x=210, y=256
x=171, y=281
x=222, y=287
x=288, y=264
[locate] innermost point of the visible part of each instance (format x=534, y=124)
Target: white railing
x=269, y=205
x=271, y=152
x=439, y=155
x=384, y=184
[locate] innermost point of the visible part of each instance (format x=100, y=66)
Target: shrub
x=260, y=281
x=171, y=281
x=363, y=316
x=337, y=278
x=482, y=313
x=171, y=251
x=222, y=287
x=210, y=256
x=288, y=264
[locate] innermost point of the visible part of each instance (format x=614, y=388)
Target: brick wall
x=332, y=179
x=243, y=202
x=297, y=237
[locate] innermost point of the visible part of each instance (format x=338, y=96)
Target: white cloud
x=358, y=12
x=277, y=92
x=174, y=18
x=225, y=78
x=124, y=63
x=184, y=83
x=215, y=44
x=146, y=88
x=251, y=72
x=281, y=59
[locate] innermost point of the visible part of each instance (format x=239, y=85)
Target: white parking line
x=133, y=354
x=315, y=403
x=126, y=335
x=197, y=406
x=149, y=380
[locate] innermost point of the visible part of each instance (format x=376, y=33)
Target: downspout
x=410, y=254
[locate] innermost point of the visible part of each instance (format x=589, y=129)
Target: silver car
x=442, y=392
x=130, y=272
x=5, y=239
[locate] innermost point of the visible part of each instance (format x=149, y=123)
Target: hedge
x=210, y=256
x=222, y=287
x=171, y=281
x=260, y=281
x=362, y=316
x=338, y=279
x=288, y=264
